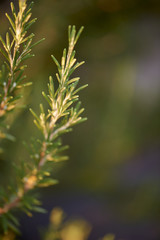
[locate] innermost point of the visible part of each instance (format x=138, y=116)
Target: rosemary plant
x=64, y=111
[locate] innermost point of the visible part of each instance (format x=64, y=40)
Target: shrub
x=63, y=113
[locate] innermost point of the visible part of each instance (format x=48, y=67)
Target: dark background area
x=112, y=177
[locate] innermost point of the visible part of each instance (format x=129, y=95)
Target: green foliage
x=64, y=112
x=16, y=48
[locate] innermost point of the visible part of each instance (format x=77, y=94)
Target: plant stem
x=29, y=184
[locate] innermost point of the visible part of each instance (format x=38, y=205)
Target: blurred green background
x=112, y=177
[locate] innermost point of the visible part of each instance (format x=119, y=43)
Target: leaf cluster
x=64, y=105
x=64, y=111
x=16, y=47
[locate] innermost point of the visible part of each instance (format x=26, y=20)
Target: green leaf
x=72, y=34
x=13, y=10
x=46, y=97
x=63, y=58
x=80, y=120
x=56, y=62
x=25, y=84
x=28, y=25
x=39, y=209
x=78, y=34
x=3, y=43
x=34, y=114
x=38, y=125
x=47, y=182
x=12, y=218
x=4, y=54
x=60, y=159
x=14, y=228
x=11, y=22
x=8, y=41
x=18, y=79
x=27, y=56
x=69, y=32
x=41, y=108
x=36, y=43
x=51, y=87
x=30, y=6
x=80, y=88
